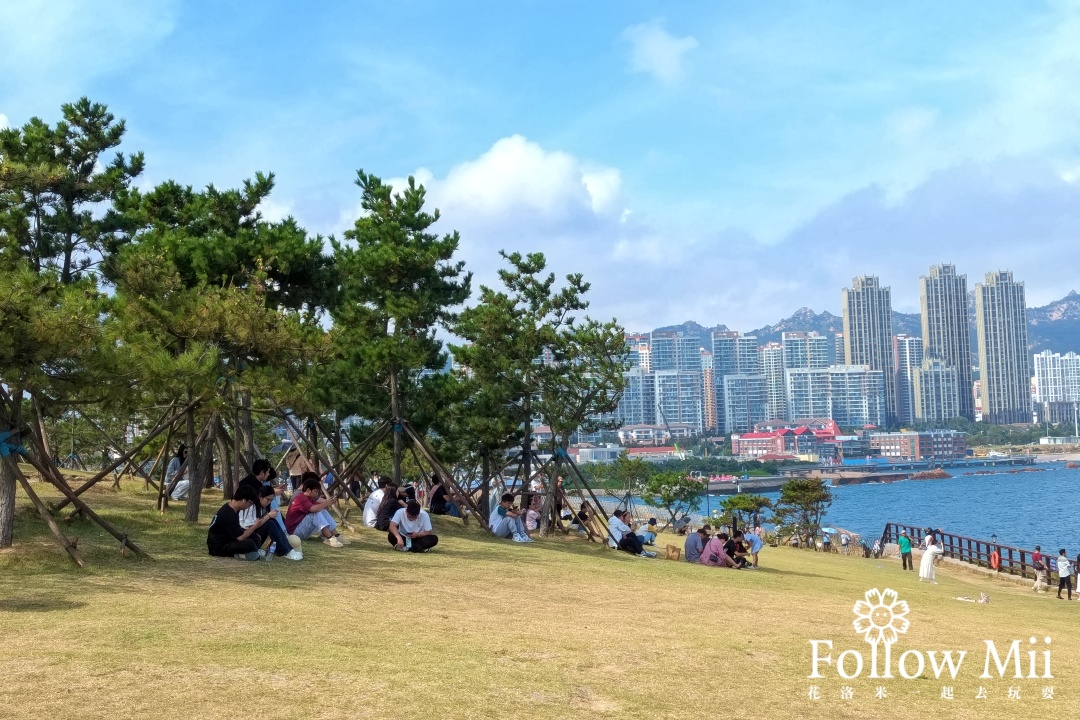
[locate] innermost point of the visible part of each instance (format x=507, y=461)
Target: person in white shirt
x=410, y=529
x=1064, y=571
x=622, y=534
x=371, y=507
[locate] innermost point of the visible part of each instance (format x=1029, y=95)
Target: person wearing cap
x=695, y=544
x=1064, y=571
x=905, y=550
x=1038, y=564
x=410, y=529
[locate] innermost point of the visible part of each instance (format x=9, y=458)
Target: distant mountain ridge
x=1054, y=327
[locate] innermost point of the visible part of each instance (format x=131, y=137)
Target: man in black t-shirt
x=226, y=536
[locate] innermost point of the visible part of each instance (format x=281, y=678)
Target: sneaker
x=294, y=555
x=294, y=540
x=528, y=538
x=521, y=539
x=342, y=539
x=262, y=554
x=247, y=556
x=646, y=554
x=333, y=542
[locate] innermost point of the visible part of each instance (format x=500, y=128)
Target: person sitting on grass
x=695, y=543
x=532, y=515
x=506, y=521
x=264, y=475
x=582, y=518
x=734, y=549
x=682, y=525
x=714, y=554
x=446, y=503
x=308, y=514
x=225, y=537
x=287, y=546
x=176, y=474
x=622, y=533
x=647, y=532
x=374, y=501
x=394, y=498
x=410, y=530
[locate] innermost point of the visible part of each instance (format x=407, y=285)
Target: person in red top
x=1038, y=564
x=308, y=515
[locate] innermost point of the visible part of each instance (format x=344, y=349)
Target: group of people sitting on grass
x=250, y=525
x=252, y=518
x=738, y=550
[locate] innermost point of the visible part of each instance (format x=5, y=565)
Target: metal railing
x=1014, y=560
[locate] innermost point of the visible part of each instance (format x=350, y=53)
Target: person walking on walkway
x=1064, y=570
x=1038, y=564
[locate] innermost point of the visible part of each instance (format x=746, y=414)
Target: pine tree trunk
x=526, y=457
x=7, y=501
x=485, y=485
x=395, y=410
x=191, y=513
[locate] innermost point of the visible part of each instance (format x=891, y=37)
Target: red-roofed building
x=787, y=442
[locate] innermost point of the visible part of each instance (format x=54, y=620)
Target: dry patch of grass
x=478, y=628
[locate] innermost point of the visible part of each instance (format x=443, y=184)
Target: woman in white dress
x=926, y=565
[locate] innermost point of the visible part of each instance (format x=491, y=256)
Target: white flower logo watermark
x=881, y=617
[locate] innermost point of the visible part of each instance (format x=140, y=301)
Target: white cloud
x=655, y=51
x=4, y=122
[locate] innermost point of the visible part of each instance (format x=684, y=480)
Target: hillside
x=480, y=628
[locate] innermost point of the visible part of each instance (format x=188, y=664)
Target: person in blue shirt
x=753, y=541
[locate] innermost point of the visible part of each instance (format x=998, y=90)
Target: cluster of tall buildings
x=866, y=375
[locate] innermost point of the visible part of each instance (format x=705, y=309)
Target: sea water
x=1023, y=509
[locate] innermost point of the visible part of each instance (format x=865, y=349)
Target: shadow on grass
x=38, y=604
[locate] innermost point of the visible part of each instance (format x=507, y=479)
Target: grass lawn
x=481, y=628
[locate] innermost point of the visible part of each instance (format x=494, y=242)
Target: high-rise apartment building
x=679, y=398
x=772, y=367
x=945, y=328
x=637, y=406
x=745, y=402
x=936, y=391
x=639, y=350
x=856, y=395
x=838, y=349
x=1057, y=386
x=675, y=351
x=907, y=357
x=852, y=395
x=733, y=354
x=1004, y=366
x=805, y=350
x=867, y=309
x=807, y=393
x=708, y=395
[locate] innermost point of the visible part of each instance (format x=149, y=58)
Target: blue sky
x=725, y=162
